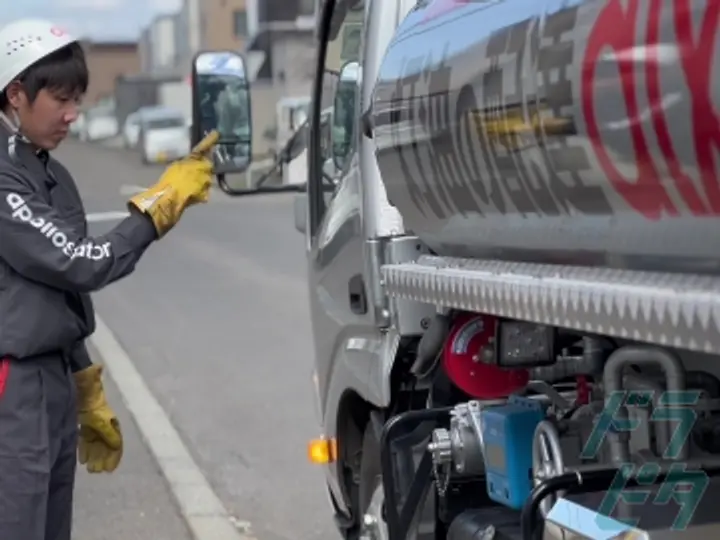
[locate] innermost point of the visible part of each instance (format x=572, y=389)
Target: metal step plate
x=677, y=310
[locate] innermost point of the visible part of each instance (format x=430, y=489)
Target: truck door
x=337, y=289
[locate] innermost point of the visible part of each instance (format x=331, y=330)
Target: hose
x=702, y=380
x=531, y=522
x=553, y=395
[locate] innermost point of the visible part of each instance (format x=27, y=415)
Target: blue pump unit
x=508, y=432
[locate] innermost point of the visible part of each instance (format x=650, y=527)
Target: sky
x=101, y=20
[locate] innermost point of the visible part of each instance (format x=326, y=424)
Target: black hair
x=63, y=72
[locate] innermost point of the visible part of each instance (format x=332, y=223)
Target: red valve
x=583, y=391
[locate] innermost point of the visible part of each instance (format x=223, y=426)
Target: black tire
x=370, y=470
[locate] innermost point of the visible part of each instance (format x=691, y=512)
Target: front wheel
x=371, y=495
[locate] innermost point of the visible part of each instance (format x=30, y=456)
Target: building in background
x=163, y=38
x=145, y=50
x=107, y=62
x=281, y=26
x=224, y=24
x=227, y=24
x=275, y=36
x=214, y=24
x=281, y=56
x=158, y=44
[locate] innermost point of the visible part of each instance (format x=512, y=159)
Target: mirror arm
x=268, y=174
x=287, y=188
x=222, y=183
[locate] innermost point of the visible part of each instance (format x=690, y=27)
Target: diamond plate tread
x=677, y=310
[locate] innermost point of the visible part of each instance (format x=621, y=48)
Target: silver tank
x=580, y=132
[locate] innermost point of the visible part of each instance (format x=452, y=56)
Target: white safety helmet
x=24, y=42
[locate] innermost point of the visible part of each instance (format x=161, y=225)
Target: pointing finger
x=206, y=144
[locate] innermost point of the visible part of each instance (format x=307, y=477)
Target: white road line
x=94, y=217
x=203, y=511
x=130, y=190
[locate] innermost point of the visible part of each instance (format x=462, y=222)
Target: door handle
x=357, y=296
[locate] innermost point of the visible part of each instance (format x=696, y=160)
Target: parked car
x=163, y=135
x=78, y=125
x=131, y=130
x=98, y=124
x=131, y=126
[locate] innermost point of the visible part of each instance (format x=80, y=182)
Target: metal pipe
x=591, y=409
x=547, y=458
x=594, y=355
x=613, y=382
x=662, y=431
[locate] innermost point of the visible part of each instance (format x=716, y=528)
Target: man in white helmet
x=48, y=267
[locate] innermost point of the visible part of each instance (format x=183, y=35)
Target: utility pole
x=194, y=26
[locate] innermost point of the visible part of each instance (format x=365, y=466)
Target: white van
x=164, y=135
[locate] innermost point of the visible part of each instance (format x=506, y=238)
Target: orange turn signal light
x=322, y=451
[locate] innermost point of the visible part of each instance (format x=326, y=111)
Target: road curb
x=202, y=510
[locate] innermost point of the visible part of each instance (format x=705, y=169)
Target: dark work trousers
x=38, y=444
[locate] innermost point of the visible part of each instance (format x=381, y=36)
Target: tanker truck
x=514, y=269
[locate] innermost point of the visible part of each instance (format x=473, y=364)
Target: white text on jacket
x=22, y=212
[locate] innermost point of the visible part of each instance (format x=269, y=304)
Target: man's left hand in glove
x=101, y=444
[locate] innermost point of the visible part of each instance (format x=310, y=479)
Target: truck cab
x=352, y=230
x=513, y=278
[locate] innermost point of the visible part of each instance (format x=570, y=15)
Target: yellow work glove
x=184, y=183
x=100, y=445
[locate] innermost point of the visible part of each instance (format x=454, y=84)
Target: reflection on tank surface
x=555, y=131
x=516, y=127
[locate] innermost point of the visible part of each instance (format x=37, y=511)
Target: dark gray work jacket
x=48, y=263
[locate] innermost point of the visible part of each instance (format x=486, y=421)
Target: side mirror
x=343, y=117
x=221, y=100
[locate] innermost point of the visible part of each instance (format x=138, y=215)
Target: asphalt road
x=215, y=318
x=133, y=503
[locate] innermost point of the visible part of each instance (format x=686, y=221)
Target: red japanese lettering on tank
x=682, y=180
x=615, y=29
x=4, y=372
x=696, y=59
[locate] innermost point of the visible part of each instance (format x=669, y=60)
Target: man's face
x=46, y=121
